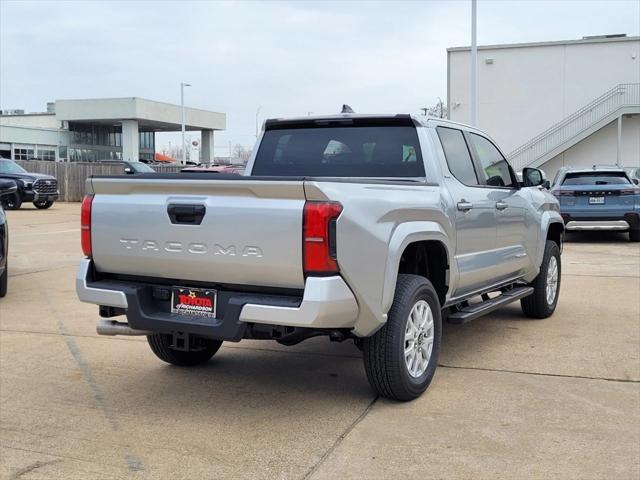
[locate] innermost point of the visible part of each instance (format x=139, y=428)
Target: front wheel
x=401, y=358
x=42, y=205
x=546, y=286
x=202, y=349
x=12, y=202
x=4, y=281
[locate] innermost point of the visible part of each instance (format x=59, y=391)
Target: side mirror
x=533, y=177
x=128, y=170
x=7, y=187
x=636, y=181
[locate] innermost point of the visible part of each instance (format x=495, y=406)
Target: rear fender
x=404, y=235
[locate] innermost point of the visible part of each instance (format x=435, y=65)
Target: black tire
x=383, y=352
x=42, y=205
x=4, y=281
x=160, y=344
x=634, y=235
x=12, y=202
x=536, y=304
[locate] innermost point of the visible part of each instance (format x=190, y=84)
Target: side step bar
x=477, y=310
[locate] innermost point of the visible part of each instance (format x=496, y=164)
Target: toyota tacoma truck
x=362, y=227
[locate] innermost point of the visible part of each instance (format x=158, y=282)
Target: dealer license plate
x=197, y=302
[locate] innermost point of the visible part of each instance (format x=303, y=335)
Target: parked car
x=38, y=188
x=7, y=187
x=370, y=228
x=598, y=198
x=215, y=169
x=130, y=167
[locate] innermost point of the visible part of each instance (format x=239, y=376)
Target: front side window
x=353, y=151
x=495, y=169
x=457, y=155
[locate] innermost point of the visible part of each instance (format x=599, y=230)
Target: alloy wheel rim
x=418, y=338
x=552, y=280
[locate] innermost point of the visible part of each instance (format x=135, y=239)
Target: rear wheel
x=634, y=235
x=12, y=202
x=201, y=350
x=42, y=205
x=546, y=286
x=401, y=358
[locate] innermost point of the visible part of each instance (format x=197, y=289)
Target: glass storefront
x=93, y=143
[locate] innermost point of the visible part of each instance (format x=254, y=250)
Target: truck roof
x=418, y=120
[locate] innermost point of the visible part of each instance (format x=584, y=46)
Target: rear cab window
x=344, y=148
x=596, y=178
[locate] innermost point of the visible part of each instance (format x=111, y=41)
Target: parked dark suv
x=38, y=188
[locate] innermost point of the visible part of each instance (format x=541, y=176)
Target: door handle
x=186, y=214
x=463, y=205
x=502, y=205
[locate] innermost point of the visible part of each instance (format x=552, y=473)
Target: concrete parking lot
x=512, y=398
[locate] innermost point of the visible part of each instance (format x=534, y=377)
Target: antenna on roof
x=347, y=109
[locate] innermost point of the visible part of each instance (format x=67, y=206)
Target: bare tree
x=241, y=154
x=438, y=110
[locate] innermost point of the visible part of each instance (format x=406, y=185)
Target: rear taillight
x=85, y=225
x=565, y=193
x=630, y=191
x=319, y=237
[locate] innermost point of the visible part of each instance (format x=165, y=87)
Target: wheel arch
x=421, y=248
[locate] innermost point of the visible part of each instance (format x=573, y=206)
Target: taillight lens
x=565, y=193
x=631, y=191
x=85, y=225
x=318, y=237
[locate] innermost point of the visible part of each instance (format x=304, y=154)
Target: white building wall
x=32, y=121
x=601, y=148
x=529, y=88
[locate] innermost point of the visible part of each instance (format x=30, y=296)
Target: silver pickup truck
x=369, y=228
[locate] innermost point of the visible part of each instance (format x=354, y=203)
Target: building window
x=23, y=153
x=46, y=154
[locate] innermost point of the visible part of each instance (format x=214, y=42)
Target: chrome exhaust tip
x=111, y=327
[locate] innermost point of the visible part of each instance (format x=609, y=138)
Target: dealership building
x=92, y=130
x=554, y=104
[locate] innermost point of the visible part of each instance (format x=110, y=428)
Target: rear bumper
x=327, y=303
x=630, y=220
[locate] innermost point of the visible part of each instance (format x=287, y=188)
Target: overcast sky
x=288, y=57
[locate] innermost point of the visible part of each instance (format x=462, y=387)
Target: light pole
x=474, y=67
x=184, y=148
x=257, y=113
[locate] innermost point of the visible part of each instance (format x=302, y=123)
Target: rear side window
x=354, y=151
x=596, y=178
x=457, y=155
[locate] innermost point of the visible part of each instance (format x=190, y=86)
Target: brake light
x=565, y=193
x=631, y=191
x=319, y=237
x=85, y=225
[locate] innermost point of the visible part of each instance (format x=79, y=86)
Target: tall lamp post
x=474, y=66
x=184, y=148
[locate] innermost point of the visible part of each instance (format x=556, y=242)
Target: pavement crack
x=31, y=467
x=540, y=374
x=340, y=439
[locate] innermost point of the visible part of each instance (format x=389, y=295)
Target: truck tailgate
x=249, y=231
